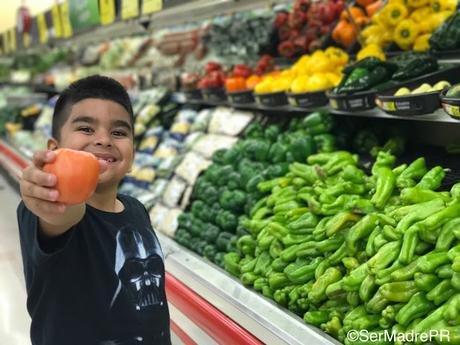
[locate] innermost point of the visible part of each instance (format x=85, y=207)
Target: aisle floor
x=14, y=319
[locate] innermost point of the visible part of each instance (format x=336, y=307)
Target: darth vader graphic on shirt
x=139, y=267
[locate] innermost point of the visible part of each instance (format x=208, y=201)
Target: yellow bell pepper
x=373, y=34
x=437, y=19
x=371, y=50
x=403, y=2
x=422, y=43
x=405, y=33
x=418, y=3
x=443, y=5
x=281, y=84
x=334, y=78
x=421, y=14
x=318, y=81
x=299, y=84
x=337, y=56
x=393, y=13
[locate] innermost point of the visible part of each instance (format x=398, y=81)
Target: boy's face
x=104, y=128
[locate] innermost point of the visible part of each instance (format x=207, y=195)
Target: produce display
x=240, y=38
x=374, y=73
x=318, y=71
x=307, y=26
x=321, y=215
x=446, y=36
x=408, y=24
x=351, y=23
x=350, y=251
x=228, y=188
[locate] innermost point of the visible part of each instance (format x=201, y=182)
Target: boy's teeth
x=110, y=160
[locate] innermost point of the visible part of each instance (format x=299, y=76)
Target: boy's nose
x=103, y=140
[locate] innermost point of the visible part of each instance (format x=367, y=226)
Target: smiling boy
x=94, y=271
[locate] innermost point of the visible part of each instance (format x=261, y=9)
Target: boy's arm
x=40, y=198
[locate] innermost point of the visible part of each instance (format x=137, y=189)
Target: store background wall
x=8, y=9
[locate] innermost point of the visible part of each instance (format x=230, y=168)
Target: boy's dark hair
x=95, y=86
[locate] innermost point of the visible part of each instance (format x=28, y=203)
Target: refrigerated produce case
x=207, y=305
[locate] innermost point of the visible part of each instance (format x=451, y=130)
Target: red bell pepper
x=213, y=66
x=287, y=49
x=241, y=70
x=281, y=19
x=297, y=19
x=302, y=5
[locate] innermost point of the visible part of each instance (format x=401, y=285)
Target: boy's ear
x=52, y=144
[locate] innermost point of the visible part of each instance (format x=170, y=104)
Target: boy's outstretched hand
x=40, y=197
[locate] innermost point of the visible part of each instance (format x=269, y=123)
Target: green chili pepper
x=259, y=283
x=425, y=282
x=360, y=230
x=367, y=288
x=447, y=235
x=391, y=234
x=276, y=247
x=370, y=249
x=304, y=273
x=377, y=303
x=455, y=280
x=432, y=319
x=432, y=179
x=386, y=255
x=353, y=281
x=421, y=212
x=278, y=280
x=321, y=269
x=316, y=318
x=386, y=181
x=335, y=290
x=416, y=170
x=231, y=263
x=338, y=221
x=417, y=306
x=445, y=271
x=384, y=276
x=248, y=278
x=416, y=195
x=318, y=292
x=406, y=272
x=441, y=292
x=338, y=255
x=429, y=262
x=398, y=291
x=248, y=266
x=350, y=263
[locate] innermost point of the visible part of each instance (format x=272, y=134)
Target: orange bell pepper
x=252, y=81
x=373, y=7
x=235, y=84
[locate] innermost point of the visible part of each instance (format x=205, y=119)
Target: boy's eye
x=120, y=133
x=85, y=129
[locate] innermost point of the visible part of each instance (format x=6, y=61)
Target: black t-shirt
x=101, y=283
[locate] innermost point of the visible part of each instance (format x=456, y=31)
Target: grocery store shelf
x=266, y=320
x=437, y=116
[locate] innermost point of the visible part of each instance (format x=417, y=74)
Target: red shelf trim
x=22, y=163
x=181, y=334
x=210, y=319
